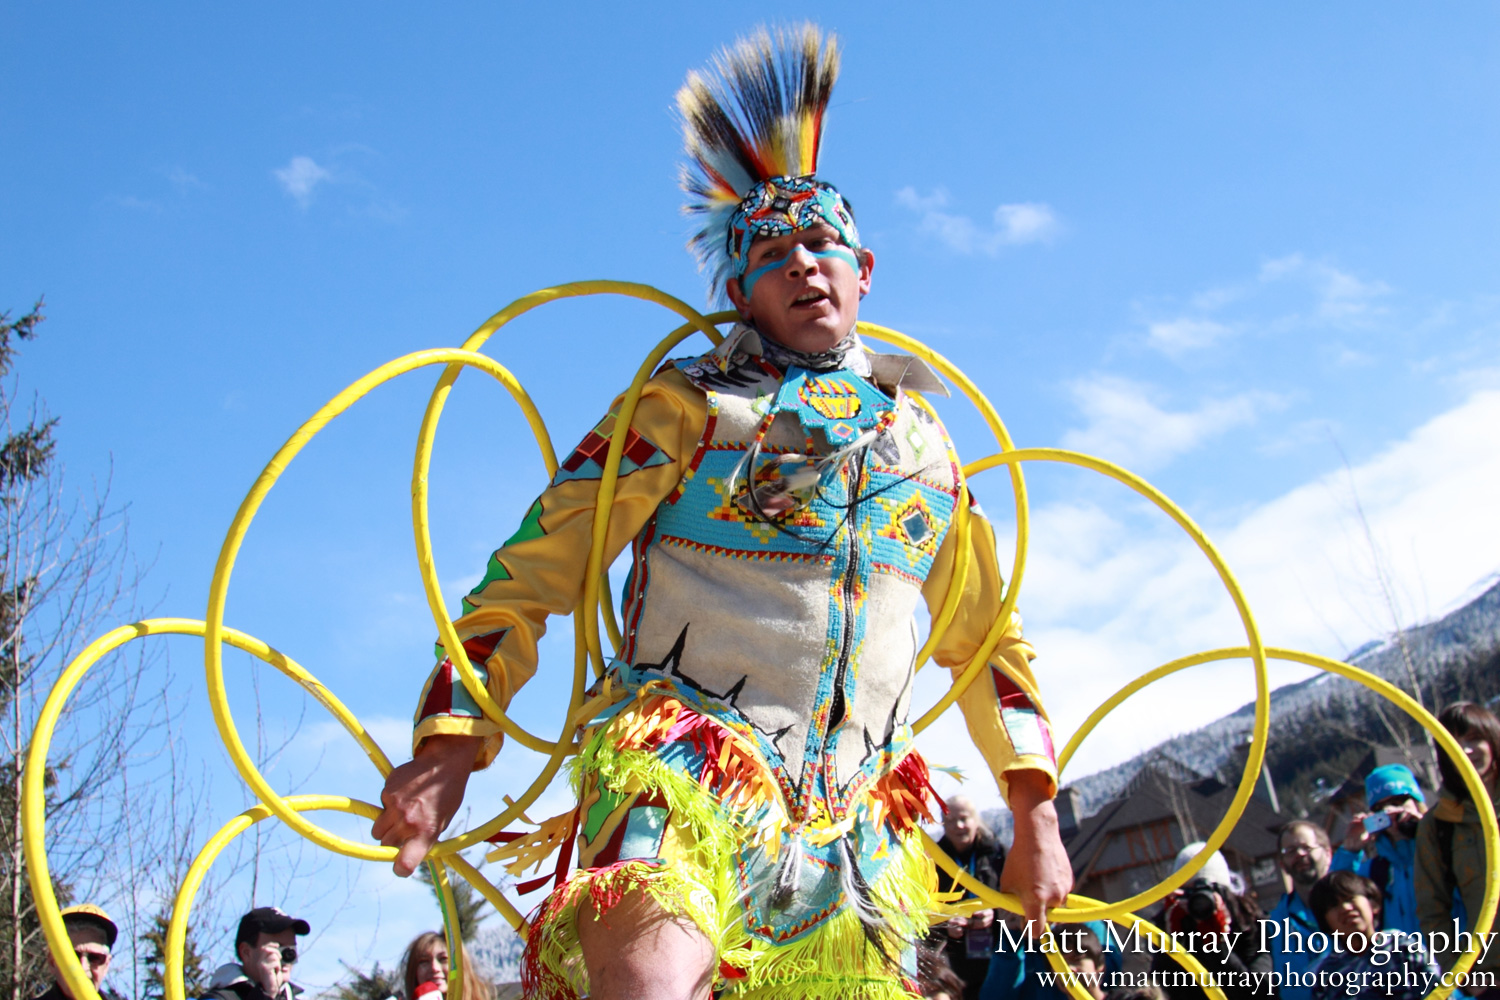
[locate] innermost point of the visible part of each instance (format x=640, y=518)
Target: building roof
x=1163, y=796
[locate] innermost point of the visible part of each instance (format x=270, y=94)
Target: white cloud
x=1109, y=594
x=1341, y=296
x=1178, y=336
x=300, y=177
x=183, y=180
x=1026, y=222
x=1289, y=292
x=908, y=197
x=1013, y=224
x=1126, y=427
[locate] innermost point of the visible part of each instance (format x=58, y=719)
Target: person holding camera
x=1381, y=844
x=266, y=945
x=1212, y=906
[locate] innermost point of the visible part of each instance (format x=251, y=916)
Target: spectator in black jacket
x=971, y=940
x=267, y=948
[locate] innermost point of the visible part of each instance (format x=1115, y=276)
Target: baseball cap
x=1389, y=780
x=268, y=920
x=88, y=913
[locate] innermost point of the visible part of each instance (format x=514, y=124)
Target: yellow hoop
x=596, y=602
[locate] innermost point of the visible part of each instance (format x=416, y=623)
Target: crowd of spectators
x=1401, y=866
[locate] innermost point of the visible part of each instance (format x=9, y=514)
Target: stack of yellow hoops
x=596, y=604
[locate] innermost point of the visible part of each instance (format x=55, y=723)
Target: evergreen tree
x=471, y=906
x=195, y=970
x=378, y=984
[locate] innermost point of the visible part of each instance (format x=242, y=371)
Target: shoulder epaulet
x=893, y=371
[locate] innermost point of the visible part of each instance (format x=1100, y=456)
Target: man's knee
x=636, y=949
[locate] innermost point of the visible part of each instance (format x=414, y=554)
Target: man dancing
x=748, y=805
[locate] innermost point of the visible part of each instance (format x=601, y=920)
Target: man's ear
x=737, y=298
x=866, y=268
x=243, y=950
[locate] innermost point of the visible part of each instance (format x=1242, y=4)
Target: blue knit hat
x=1389, y=780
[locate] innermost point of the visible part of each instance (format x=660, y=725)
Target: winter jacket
x=984, y=860
x=1292, y=917
x=56, y=993
x=1450, y=874
x=1397, y=859
x=229, y=982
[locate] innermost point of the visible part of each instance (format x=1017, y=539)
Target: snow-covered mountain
x=1463, y=639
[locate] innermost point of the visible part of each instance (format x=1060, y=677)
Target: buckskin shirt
x=755, y=771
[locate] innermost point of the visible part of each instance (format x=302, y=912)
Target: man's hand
x=1356, y=836
x=274, y=975
x=421, y=796
x=1037, y=868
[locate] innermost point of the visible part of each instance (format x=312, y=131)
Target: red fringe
x=906, y=793
x=730, y=769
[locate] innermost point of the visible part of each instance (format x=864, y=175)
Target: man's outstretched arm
x=1004, y=720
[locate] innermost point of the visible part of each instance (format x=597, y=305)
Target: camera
x=1202, y=899
x=1198, y=906
x=1375, y=822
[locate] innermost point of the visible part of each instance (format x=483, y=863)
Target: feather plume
x=756, y=113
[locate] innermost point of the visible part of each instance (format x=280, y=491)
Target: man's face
x=808, y=299
x=1303, y=857
x=1404, y=813
x=263, y=962
x=961, y=824
x=92, y=952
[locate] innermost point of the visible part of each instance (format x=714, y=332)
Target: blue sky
x=1249, y=253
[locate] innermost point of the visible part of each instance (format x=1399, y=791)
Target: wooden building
x=1131, y=843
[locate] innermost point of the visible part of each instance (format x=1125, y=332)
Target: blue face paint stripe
x=747, y=283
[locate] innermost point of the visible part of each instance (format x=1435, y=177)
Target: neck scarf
x=847, y=353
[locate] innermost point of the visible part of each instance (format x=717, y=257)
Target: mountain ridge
x=1463, y=637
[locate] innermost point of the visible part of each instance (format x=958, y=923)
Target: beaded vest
x=796, y=629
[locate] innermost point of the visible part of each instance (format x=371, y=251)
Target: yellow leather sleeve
x=539, y=571
x=1001, y=708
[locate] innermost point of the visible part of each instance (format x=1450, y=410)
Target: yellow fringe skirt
x=678, y=810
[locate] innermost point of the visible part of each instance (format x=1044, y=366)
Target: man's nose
x=800, y=261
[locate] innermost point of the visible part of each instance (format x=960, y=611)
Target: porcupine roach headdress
x=752, y=126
